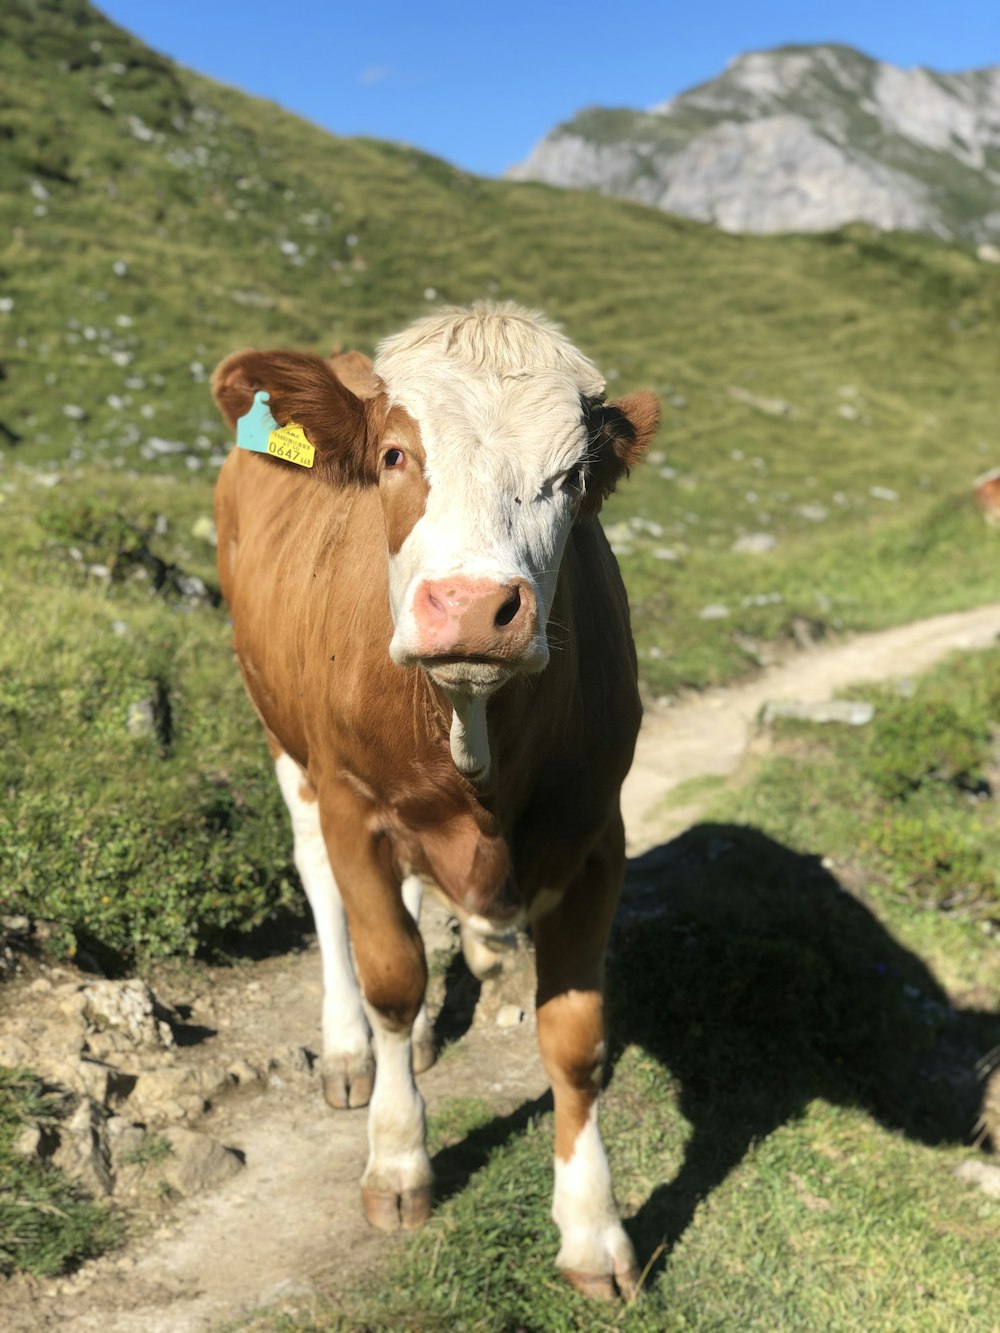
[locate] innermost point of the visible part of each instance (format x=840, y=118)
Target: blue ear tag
x=258, y=431
x=254, y=428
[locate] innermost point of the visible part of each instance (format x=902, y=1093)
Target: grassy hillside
x=837, y=394
x=828, y=398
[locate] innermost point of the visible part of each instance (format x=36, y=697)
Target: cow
x=433, y=631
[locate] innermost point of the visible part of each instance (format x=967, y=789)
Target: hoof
x=604, y=1286
x=388, y=1211
x=347, y=1083
x=424, y=1055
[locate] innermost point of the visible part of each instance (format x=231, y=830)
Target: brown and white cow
x=433, y=630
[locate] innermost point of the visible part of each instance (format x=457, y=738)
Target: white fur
x=496, y=392
x=583, y=1208
x=397, y=1155
x=413, y=897
x=469, y=739
x=345, y=1029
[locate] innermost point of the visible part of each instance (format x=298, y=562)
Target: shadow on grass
x=758, y=984
x=762, y=985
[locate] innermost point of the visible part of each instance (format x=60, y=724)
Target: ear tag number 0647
x=258, y=431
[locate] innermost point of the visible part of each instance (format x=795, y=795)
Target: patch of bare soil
x=221, y=1059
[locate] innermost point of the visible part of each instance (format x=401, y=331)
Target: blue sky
x=480, y=83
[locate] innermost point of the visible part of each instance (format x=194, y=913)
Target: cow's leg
x=595, y=1254
x=347, y=1067
x=424, y=1053
x=392, y=969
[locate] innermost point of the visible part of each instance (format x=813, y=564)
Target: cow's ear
x=619, y=434
x=303, y=388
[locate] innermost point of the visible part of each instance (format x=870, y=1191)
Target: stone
x=83, y=1148
x=203, y=529
x=127, y=1008
x=510, y=1016
x=797, y=140
x=197, y=1162
x=983, y=1174
x=849, y=712
x=176, y=1092
x=754, y=543
x=104, y=1083
x=141, y=718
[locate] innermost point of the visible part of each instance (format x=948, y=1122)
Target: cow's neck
x=469, y=738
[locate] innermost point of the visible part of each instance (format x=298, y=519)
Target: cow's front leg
x=424, y=1052
x=346, y=1067
x=595, y=1254
x=392, y=969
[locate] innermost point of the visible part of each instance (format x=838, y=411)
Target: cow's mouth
x=468, y=675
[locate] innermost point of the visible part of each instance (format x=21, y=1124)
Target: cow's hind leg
x=595, y=1254
x=347, y=1066
x=424, y=1053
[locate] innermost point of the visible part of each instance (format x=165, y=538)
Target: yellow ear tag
x=289, y=442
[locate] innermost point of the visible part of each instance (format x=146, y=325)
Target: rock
x=754, y=543
x=83, y=1151
x=39, y=1141
x=103, y=1083
x=203, y=529
x=15, y=1051
x=510, y=1016
x=125, y=1142
x=291, y=1060
x=127, y=1008
x=771, y=407
x=853, y=713
x=197, y=1162
x=798, y=139
x=984, y=1175
x=191, y=586
x=176, y=1092
x=813, y=513
x=243, y=1074
x=714, y=612
x=141, y=718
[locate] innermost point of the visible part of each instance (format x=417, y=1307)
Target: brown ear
x=620, y=433
x=304, y=389
x=357, y=371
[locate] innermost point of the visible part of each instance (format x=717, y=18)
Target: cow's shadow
x=759, y=984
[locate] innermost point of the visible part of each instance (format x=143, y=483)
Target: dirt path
x=289, y=1225
x=710, y=733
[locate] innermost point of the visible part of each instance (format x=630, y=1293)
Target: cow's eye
x=573, y=479
x=393, y=458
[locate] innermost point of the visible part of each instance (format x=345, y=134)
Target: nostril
x=509, y=609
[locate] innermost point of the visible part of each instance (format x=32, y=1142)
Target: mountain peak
x=800, y=138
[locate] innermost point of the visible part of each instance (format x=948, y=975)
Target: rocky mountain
x=803, y=138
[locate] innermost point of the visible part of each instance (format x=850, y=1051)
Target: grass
x=150, y=235
x=132, y=845
x=47, y=1226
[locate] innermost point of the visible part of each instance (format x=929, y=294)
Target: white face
x=479, y=499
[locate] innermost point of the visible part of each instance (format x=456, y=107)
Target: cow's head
x=488, y=436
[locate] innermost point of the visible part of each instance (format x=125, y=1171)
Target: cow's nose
x=475, y=617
